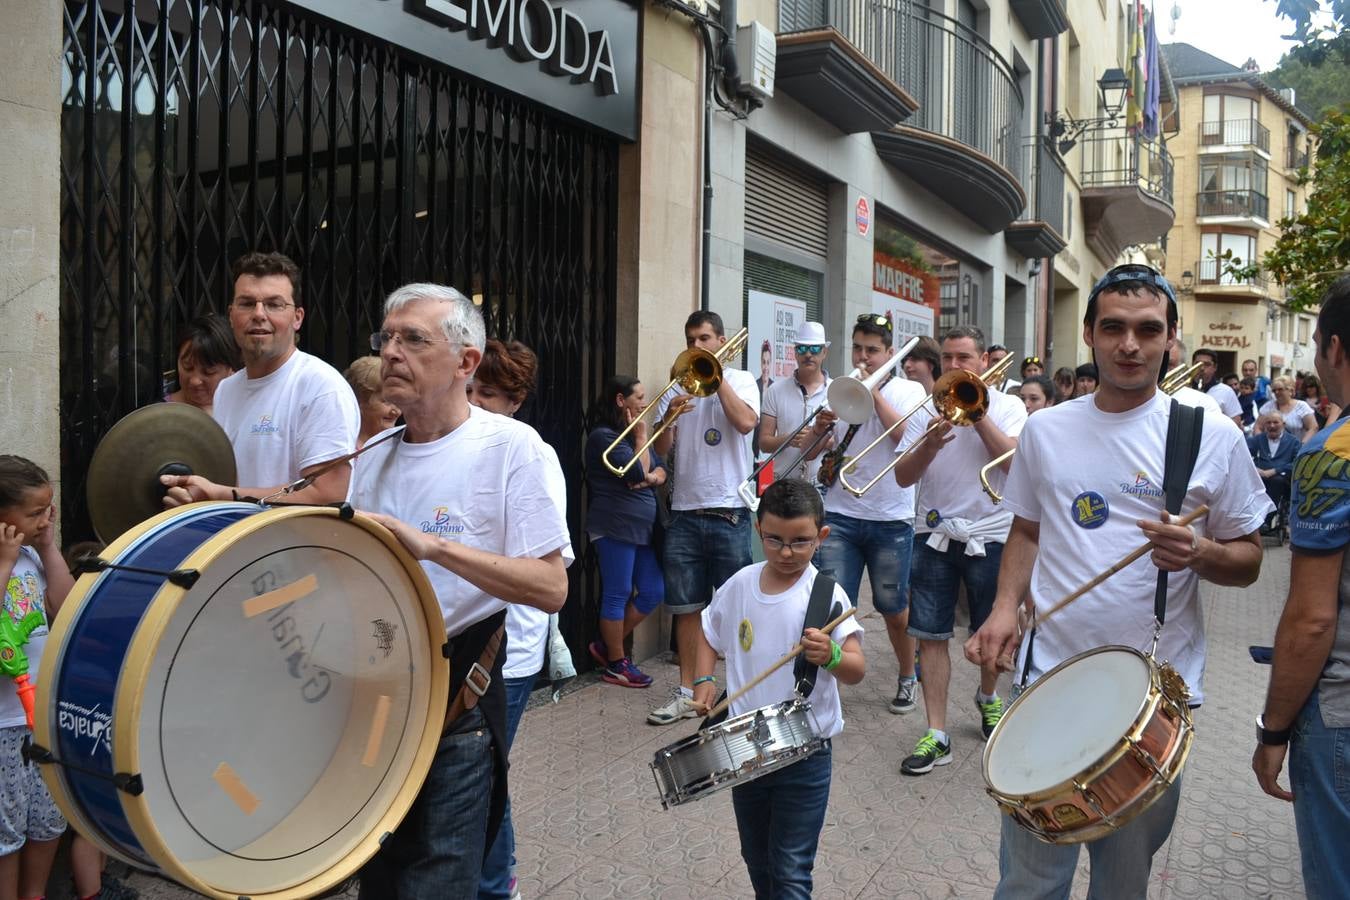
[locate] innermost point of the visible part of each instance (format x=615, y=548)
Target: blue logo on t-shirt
x=932, y=518
x=1090, y=510
x=712, y=437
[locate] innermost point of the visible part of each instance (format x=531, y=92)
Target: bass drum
x=246, y=699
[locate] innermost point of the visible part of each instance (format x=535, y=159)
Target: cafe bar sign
x=578, y=57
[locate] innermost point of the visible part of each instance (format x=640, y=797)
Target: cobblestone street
x=590, y=825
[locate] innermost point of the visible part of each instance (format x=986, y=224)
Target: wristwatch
x=1269, y=737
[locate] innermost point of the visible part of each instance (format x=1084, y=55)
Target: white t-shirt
x=711, y=457
x=753, y=630
x=1087, y=477
x=486, y=484
x=888, y=501
x=301, y=415
x=1189, y=396
x=526, y=626
x=1293, y=420
x=786, y=400
x=950, y=487
x=1227, y=398
x=26, y=590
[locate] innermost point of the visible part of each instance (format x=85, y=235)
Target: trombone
x=1173, y=381
x=697, y=372
x=960, y=397
x=849, y=397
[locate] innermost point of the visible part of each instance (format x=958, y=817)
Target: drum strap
x=1184, y=426
x=818, y=613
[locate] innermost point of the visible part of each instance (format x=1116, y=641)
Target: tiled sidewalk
x=590, y=825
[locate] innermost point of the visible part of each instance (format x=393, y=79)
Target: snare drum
x=735, y=751
x=1092, y=744
x=246, y=699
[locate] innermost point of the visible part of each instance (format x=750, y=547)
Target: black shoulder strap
x=1184, y=426
x=818, y=614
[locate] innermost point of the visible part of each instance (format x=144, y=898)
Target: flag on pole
x=1134, y=100
x=1152, y=93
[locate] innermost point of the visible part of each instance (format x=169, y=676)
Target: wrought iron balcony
x=967, y=124
x=1235, y=133
x=1040, y=230
x=1212, y=275
x=1295, y=158
x=1244, y=204
x=1127, y=190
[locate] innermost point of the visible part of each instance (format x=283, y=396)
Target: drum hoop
x=1153, y=697
x=136, y=673
x=58, y=636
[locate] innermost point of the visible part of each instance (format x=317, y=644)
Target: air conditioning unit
x=756, y=53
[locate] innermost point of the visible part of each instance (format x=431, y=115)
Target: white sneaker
x=679, y=707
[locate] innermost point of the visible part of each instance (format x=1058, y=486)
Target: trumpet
x=1173, y=381
x=959, y=397
x=697, y=372
x=849, y=398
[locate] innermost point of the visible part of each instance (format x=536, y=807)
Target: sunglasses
x=813, y=349
x=1031, y=361
x=1134, y=272
x=874, y=319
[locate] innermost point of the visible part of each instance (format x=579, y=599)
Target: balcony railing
x=1045, y=185
x=1211, y=272
x=966, y=90
x=1248, y=204
x=1235, y=132
x=1295, y=158
x=1113, y=158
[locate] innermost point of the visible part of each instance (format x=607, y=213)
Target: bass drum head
x=287, y=705
x=1073, y=716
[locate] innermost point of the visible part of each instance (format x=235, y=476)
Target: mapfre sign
x=578, y=57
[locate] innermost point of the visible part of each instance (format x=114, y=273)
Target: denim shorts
x=884, y=547
x=934, y=583
x=702, y=552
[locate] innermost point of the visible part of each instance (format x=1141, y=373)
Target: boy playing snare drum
x=755, y=618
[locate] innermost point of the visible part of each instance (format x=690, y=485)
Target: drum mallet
x=786, y=658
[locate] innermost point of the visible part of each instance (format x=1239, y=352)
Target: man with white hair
x=467, y=492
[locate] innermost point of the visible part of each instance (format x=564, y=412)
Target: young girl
x=30, y=824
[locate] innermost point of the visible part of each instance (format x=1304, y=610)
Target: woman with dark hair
x=923, y=365
x=206, y=355
x=619, y=522
x=1031, y=367
x=1324, y=409
x=1038, y=393
x=1064, y=383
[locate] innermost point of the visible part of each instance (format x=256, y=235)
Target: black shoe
x=929, y=752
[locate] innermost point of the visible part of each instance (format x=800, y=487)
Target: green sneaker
x=928, y=752
x=990, y=713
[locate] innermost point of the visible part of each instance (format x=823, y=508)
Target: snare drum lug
x=345, y=511
x=129, y=784
x=445, y=649
x=184, y=578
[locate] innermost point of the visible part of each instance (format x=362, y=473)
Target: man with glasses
x=789, y=401
x=287, y=413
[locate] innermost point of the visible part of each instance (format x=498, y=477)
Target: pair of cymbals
x=123, y=487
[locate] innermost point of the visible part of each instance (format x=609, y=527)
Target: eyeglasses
x=415, y=341
x=273, y=306
x=798, y=546
x=1133, y=272
x=874, y=319
x=813, y=349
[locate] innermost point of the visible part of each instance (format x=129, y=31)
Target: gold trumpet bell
x=698, y=372
x=961, y=397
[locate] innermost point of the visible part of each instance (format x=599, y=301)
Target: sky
x=1232, y=30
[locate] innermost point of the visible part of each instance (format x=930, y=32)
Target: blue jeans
x=437, y=851
x=779, y=817
x=935, y=580
x=624, y=566
x=501, y=858
x=884, y=547
x=703, y=551
x=1030, y=869
x=1319, y=776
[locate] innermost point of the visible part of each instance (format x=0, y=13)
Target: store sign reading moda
x=576, y=56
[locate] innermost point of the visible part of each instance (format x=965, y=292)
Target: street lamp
x=1112, y=88
x=1187, y=281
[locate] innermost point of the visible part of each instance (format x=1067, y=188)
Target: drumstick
x=1134, y=555
x=786, y=658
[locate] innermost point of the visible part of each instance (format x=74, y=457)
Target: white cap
x=811, y=333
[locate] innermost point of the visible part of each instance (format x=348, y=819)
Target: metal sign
x=579, y=57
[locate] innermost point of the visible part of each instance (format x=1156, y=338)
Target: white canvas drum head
x=1067, y=721
x=284, y=703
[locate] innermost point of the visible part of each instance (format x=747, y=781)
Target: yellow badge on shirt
x=746, y=634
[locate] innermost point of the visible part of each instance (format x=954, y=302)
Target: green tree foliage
x=1318, y=89
x=1321, y=29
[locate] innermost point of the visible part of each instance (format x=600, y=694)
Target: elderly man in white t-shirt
x=468, y=492
x=789, y=401
x=958, y=539
x=289, y=415
x=708, y=538
x=1086, y=482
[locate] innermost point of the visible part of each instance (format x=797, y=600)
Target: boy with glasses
x=287, y=413
x=788, y=402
